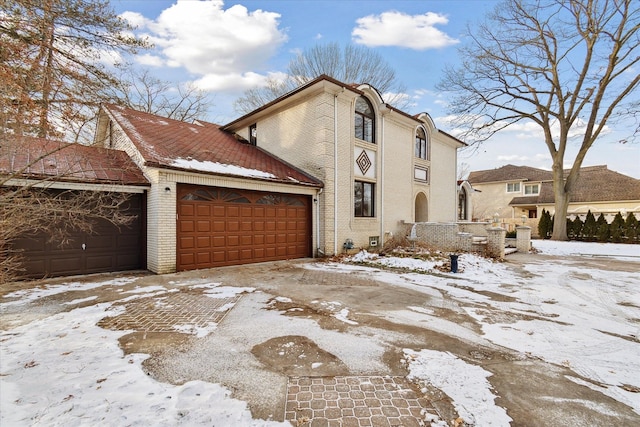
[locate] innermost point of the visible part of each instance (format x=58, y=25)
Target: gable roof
x=510, y=173
x=202, y=147
x=594, y=184
x=44, y=159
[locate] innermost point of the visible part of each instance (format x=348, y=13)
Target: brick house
x=324, y=167
x=516, y=191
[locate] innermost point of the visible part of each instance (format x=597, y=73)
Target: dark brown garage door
x=218, y=226
x=108, y=248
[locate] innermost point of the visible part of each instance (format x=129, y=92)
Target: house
x=325, y=167
x=57, y=168
x=512, y=192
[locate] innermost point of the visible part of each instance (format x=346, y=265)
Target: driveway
x=328, y=343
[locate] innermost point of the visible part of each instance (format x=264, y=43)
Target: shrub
x=603, y=232
x=631, y=228
x=617, y=228
x=590, y=227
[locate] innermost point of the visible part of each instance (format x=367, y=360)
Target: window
x=253, y=134
x=421, y=143
x=531, y=189
x=462, y=205
x=363, y=199
x=365, y=120
x=513, y=187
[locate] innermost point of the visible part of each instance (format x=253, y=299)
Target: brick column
x=523, y=238
x=495, y=242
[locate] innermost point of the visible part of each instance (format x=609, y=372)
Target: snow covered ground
x=65, y=370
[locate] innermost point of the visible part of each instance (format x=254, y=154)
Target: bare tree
x=569, y=66
x=351, y=64
x=53, y=60
x=29, y=203
x=140, y=90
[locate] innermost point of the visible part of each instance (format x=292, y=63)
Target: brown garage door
x=108, y=248
x=218, y=226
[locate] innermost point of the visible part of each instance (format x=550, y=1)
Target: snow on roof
x=202, y=147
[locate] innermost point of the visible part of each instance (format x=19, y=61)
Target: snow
x=466, y=384
x=63, y=369
x=208, y=166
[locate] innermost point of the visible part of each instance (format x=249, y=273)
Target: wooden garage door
x=108, y=248
x=218, y=226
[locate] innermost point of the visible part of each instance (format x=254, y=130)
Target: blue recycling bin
x=454, y=263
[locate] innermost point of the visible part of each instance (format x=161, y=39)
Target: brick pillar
x=495, y=242
x=523, y=238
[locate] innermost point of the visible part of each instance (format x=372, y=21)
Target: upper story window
x=253, y=134
x=531, y=189
x=513, y=187
x=365, y=120
x=421, y=144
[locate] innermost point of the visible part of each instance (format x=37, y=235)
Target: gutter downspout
x=335, y=173
x=318, y=251
x=382, y=144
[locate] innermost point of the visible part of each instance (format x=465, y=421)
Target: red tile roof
x=38, y=158
x=203, y=147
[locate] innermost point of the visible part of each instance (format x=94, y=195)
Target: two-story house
x=324, y=167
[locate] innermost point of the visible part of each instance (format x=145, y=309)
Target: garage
x=108, y=248
x=221, y=226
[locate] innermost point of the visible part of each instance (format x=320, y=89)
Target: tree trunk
x=561, y=206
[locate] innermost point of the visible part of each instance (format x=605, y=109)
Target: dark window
x=421, y=143
x=462, y=205
x=364, y=120
x=363, y=199
x=253, y=134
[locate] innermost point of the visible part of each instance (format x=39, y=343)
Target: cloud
x=399, y=29
x=215, y=44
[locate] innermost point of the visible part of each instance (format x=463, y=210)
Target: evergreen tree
x=603, y=231
x=631, y=228
x=570, y=233
x=576, y=227
x=590, y=228
x=617, y=228
x=544, y=225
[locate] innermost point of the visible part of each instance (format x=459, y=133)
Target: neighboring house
x=516, y=191
x=324, y=167
x=57, y=167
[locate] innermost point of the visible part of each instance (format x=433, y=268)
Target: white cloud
x=150, y=60
x=216, y=44
x=399, y=29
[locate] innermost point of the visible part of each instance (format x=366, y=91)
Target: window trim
x=365, y=119
x=426, y=171
x=372, y=187
x=514, y=184
x=531, y=186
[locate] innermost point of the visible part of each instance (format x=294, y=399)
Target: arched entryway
x=421, y=208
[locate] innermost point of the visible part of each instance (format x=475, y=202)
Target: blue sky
x=227, y=47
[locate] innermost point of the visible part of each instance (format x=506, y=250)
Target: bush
x=603, y=230
x=631, y=228
x=545, y=225
x=617, y=228
x=590, y=227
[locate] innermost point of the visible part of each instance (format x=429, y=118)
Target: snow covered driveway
x=547, y=339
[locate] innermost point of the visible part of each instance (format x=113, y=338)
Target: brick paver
x=373, y=401
x=169, y=312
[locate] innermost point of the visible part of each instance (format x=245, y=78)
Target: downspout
x=335, y=174
x=381, y=238
x=318, y=251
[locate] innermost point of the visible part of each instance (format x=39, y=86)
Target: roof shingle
x=37, y=158
x=203, y=147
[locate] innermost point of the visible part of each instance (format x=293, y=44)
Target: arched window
x=462, y=205
x=421, y=143
x=365, y=120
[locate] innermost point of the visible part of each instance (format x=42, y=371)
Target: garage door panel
x=186, y=226
x=186, y=209
x=243, y=226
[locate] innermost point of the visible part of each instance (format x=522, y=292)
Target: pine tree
x=631, y=228
x=590, y=228
x=544, y=225
x=603, y=231
x=617, y=228
x=576, y=228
